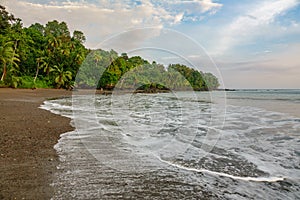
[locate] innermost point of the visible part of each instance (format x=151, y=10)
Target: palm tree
x=97, y=58
x=53, y=42
x=62, y=77
x=38, y=61
x=8, y=56
x=43, y=62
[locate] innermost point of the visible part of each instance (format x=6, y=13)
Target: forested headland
x=49, y=56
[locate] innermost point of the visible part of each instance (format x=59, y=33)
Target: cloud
x=189, y=10
x=97, y=20
x=208, y=5
x=194, y=6
x=250, y=25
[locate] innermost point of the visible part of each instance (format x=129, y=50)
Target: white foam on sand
x=255, y=179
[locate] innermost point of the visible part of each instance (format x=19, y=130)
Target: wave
x=254, y=179
x=295, y=100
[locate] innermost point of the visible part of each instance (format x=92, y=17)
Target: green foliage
x=93, y=67
x=8, y=57
x=2, y=84
x=194, y=77
x=42, y=83
x=56, y=29
x=7, y=20
x=79, y=36
x=62, y=76
x=38, y=50
x=27, y=82
x=211, y=81
x=15, y=81
x=103, y=69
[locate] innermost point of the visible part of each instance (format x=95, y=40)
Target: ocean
x=242, y=144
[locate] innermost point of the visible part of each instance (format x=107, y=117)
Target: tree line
x=49, y=56
x=106, y=70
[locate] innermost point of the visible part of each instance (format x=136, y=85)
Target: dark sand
x=28, y=134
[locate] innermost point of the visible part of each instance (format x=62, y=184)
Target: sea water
x=236, y=145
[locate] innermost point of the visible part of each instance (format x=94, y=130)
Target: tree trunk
x=4, y=72
x=59, y=82
x=37, y=72
x=48, y=72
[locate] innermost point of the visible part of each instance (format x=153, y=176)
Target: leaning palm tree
x=42, y=62
x=38, y=61
x=8, y=56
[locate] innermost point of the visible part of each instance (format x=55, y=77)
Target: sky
x=247, y=44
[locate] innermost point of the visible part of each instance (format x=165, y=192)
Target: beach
x=28, y=134
x=163, y=153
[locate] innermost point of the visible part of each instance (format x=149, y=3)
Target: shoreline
x=28, y=159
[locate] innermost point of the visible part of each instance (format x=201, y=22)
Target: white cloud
x=294, y=24
x=178, y=18
x=97, y=21
x=248, y=26
x=196, y=6
x=208, y=5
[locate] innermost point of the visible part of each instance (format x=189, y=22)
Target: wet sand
x=28, y=134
